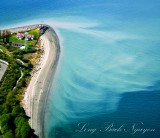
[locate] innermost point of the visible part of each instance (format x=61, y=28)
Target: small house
x=29, y=37
x=40, y=26
x=20, y=36
x=16, y=44
x=22, y=47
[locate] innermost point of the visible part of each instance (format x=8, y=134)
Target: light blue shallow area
x=110, y=63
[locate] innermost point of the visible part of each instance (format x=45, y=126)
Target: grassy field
x=34, y=32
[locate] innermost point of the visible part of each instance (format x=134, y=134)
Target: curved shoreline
x=37, y=92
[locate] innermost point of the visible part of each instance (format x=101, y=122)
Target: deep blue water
x=109, y=72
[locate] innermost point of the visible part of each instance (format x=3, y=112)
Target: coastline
x=37, y=91
x=35, y=96
x=22, y=29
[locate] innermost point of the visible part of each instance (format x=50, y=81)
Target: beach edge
x=35, y=97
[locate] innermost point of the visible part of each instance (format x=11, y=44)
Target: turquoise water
x=109, y=71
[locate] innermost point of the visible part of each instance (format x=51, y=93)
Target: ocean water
x=108, y=79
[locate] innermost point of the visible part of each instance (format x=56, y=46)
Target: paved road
x=3, y=68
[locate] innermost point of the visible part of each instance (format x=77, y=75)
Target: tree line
x=5, y=36
x=13, y=120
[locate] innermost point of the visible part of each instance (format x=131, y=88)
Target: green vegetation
x=3, y=48
x=13, y=38
x=13, y=120
x=34, y=32
x=4, y=36
x=10, y=109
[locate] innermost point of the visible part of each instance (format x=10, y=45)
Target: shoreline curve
x=35, y=97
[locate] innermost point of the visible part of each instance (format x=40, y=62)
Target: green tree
x=8, y=35
x=0, y=34
x=25, y=130
x=3, y=35
x=6, y=123
x=9, y=134
x=18, y=111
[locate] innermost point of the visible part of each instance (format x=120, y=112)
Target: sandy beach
x=36, y=95
x=22, y=29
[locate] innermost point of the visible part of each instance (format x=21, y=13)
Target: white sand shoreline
x=37, y=91
x=35, y=97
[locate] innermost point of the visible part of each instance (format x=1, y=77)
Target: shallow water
x=109, y=68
